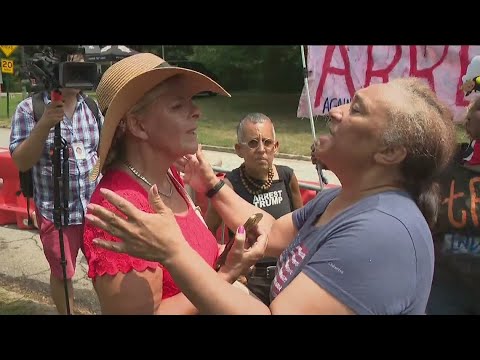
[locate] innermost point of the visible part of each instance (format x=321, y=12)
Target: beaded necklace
x=248, y=182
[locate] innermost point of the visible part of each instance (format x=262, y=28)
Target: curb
x=279, y=155
x=232, y=150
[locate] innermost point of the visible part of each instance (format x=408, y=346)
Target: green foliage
x=249, y=67
x=244, y=68
x=261, y=68
x=172, y=52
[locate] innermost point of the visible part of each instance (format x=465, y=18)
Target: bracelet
x=215, y=189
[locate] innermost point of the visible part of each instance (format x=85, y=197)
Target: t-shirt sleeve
x=102, y=261
x=368, y=265
x=301, y=215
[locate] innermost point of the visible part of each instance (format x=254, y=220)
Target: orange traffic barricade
x=13, y=205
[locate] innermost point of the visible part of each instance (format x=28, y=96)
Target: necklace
x=144, y=179
x=247, y=181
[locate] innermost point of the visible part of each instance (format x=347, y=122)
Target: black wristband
x=215, y=189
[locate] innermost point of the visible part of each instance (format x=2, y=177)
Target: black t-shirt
x=276, y=200
x=457, y=231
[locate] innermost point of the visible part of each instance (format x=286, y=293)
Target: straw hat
x=126, y=82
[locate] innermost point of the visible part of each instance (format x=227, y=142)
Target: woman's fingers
x=120, y=203
x=156, y=201
x=239, y=243
x=110, y=225
x=110, y=245
x=258, y=249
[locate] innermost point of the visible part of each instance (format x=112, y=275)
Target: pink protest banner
x=336, y=72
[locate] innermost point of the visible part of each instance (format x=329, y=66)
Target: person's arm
x=303, y=296
x=233, y=209
x=138, y=292
x=133, y=293
x=137, y=286
x=295, y=191
x=27, y=147
x=361, y=269
x=180, y=305
x=285, y=229
x=200, y=285
x=197, y=279
x=212, y=219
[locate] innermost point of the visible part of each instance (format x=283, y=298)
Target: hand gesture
x=198, y=172
x=148, y=236
x=240, y=254
x=53, y=113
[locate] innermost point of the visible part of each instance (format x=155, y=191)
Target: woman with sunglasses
x=273, y=188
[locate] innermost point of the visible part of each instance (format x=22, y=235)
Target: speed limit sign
x=7, y=66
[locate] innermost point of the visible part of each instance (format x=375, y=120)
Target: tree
x=268, y=68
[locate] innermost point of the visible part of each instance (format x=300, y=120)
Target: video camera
x=50, y=68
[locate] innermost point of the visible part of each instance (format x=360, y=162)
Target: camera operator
x=31, y=147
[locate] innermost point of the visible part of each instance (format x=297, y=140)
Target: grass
x=15, y=98
x=220, y=116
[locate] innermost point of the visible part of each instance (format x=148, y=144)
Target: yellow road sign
x=7, y=66
x=8, y=49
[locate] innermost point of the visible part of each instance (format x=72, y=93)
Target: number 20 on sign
x=7, y=66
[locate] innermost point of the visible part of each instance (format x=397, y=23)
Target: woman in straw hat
x=364, y=248
x=150, y=120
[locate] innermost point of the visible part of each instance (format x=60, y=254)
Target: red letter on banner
x=382, y=73
x=326, y=69
x=426, y=73
x=460, y=98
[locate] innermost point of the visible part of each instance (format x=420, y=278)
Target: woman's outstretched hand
x=148, y=236
x=157, y=236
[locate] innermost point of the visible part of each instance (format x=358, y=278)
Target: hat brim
x=134, y=90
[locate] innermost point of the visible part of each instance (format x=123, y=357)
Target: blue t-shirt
x=376, y=257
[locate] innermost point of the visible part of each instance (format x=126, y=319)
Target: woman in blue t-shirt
x=365, y=248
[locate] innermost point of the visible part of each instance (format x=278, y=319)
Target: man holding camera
x=32, y=147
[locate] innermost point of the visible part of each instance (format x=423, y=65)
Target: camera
x=54, y=67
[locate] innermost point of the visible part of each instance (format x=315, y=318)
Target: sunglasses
x=254, y=143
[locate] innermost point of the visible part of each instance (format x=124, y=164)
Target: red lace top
x=101, y=261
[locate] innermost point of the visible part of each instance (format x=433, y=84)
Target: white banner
x=336, y=72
